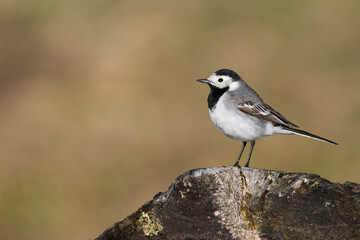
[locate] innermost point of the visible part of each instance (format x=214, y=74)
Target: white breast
x=237, y=124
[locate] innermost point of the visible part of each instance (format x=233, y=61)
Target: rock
x=246, y=203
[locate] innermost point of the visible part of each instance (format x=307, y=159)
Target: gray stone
x=246, y=203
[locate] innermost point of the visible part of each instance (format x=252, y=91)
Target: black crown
x=228, y=72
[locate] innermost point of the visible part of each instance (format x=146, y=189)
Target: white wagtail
x=240, y=113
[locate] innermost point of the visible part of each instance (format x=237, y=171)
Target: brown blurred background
x=99, y=108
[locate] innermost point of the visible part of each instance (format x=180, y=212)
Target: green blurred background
x=99, y=108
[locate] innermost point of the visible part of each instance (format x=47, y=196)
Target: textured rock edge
x=246, y=203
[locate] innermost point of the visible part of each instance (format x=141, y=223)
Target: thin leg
x=238, y=159
x=251, y=149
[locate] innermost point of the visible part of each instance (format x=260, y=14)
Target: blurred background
x=99, y=108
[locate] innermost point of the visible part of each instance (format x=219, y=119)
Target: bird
x=240, y=113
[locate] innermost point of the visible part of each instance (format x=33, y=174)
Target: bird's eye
x=220, y=80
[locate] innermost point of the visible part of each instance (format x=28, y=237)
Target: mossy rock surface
x=246, y=203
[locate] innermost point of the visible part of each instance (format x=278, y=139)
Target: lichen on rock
x=246, y=203
x=149, y=225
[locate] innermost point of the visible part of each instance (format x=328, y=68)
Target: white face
x=220, y=81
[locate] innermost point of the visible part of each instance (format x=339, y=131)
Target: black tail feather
x=307, y=134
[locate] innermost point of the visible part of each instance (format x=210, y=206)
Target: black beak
x=203, y=81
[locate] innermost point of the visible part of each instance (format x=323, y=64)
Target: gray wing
x=263, y=111
x=248, y=101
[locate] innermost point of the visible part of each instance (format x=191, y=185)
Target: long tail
x=306, y=134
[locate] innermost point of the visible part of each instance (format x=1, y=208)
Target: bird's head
x=223, y=78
